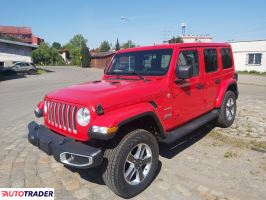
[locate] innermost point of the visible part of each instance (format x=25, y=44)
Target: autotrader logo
x=27, y=193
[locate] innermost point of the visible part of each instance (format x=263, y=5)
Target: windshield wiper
x=138, y=74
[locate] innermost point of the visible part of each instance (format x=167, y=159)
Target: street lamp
x=126, y=19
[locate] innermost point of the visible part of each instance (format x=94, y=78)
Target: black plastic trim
x=236, y=91
x=151, y=114
x=55, y=144
x=99, y=109
x=187, y=128
x=100, y=136
x=38, y=114
x=153, y=104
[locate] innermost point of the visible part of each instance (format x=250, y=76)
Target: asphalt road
x=252, y=85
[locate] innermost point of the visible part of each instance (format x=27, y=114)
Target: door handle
x=199, y=86
x=217, y=81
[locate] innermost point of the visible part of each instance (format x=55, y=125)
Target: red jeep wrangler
x=147, y=95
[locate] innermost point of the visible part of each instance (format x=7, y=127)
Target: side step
x=187, y=128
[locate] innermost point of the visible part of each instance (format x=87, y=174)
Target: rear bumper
x=64, y=150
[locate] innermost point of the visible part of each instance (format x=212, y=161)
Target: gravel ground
x=209, y=166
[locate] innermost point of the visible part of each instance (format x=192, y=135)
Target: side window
x=17, y=65
x=210, y=59
x=24, y=64
x=189, y=58
x=226, y=57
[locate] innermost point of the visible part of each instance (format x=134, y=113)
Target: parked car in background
x=24, y=67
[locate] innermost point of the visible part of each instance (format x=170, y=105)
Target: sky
x=148, y=22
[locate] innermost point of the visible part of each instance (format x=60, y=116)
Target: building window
x=254, y=58
x=210, y=58
x=226, y=58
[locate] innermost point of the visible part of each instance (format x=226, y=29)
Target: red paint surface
x=128, y=98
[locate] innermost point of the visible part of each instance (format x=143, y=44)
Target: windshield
x=145, y=63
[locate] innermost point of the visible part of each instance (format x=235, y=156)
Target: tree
x=175, y=40
x=128, y=44
x=85, y=56
x=42, y=54
x=56, y=45
x=105, y=46
x=55, y=57
x=46, y=55
x=78, y=41
x=117, y=45
x=74, y=46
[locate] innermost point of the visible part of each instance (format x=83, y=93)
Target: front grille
x=62, y=116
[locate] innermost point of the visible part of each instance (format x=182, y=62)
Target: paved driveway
x=207, y=169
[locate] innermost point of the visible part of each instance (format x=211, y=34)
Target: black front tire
x=225, y=120
x=116, y=156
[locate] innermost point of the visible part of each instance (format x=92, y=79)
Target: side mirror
x=184, y=72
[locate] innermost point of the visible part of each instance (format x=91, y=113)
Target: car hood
x=109, y=93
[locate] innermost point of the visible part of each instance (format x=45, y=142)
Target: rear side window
x=25, y=64
x=210, y=59
x=226, y=58
x=189, y=58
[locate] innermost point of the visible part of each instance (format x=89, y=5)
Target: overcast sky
x=148, y=21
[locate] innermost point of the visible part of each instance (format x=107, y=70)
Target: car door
x=212, y=78
x=17, y=67
x=188, y=94
x=25, y=67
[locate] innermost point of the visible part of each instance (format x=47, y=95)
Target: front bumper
x=64, y=150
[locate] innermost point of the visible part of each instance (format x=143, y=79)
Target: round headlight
x=83, y=116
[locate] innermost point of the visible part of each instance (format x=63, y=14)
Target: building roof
x=103, y=54
x=196, y=36
x=247, y=41
x=18, y=43
x=63, y=50
x=15, y=30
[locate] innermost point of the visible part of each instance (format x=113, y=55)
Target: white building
x=64, y=53
x=250, y=55
x=196, y=38
x=13, y=51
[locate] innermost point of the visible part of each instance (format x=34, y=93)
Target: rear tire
x=32, y=72
x=227, y=111
x=131, y=164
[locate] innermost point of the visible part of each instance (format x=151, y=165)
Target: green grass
x=230, y=154
x=238, y=142
x=41, y=71
x=252, y=72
